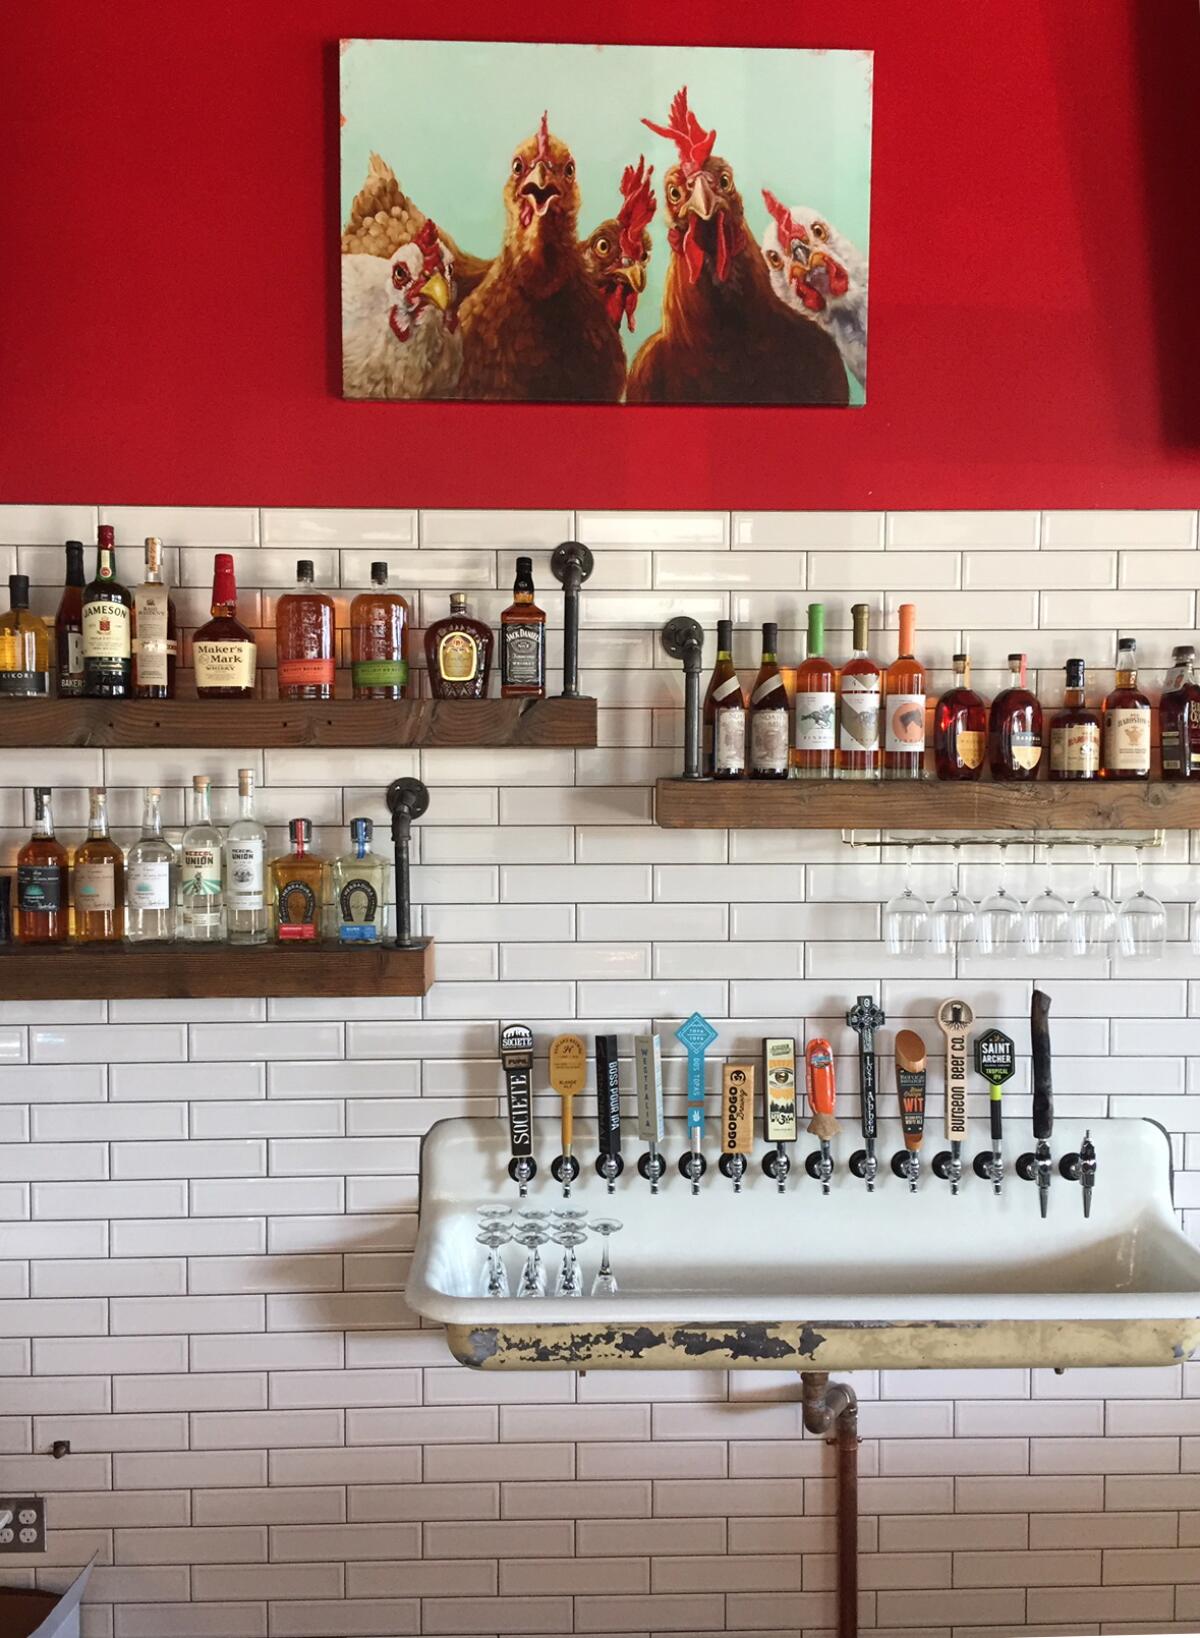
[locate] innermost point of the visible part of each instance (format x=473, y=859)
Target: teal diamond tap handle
x=696, y=1035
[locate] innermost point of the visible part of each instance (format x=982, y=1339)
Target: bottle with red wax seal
x=224, y=654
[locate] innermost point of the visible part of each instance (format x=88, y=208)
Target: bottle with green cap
x=816, y=705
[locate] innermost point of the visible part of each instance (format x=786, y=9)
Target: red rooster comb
x=543, y=139
x=637, y=209
x=695, y=144
x=790, y=227
x=427, y=244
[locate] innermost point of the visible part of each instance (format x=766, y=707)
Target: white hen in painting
x=816, y=270
x=400, y=334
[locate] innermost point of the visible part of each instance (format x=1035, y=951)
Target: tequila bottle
x=298, y=883
x=200, y=899
x=360, y=889
x=151, y=879
x=246, y=916
x=42, y=879
x=99, y=880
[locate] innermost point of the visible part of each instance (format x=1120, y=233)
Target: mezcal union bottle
x=360, y=889
x=200, y=886
x=246, y=914
x=151, y=879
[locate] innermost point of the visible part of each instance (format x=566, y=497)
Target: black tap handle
x=1043, y=1078
x=997, y=1120
x=608, y=1096
x=867, y=1092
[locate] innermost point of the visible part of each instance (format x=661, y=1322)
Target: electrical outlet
x=22, y=1524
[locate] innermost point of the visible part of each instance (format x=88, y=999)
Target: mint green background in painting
x=447, y=115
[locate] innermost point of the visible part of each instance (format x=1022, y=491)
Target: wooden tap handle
x=779, y=1090
x=1043, y=1076
x=954, y=1020
x=568, y=1074
x=737, y=1109
x=910, y=1085
x=822, y=1088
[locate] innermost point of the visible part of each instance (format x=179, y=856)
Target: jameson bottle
x=523, y=640
x=769, y=737
x=725, y=713
x=68, y=626
x=107, y=628
x=816, y=705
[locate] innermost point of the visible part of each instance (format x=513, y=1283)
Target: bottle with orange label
x=960, y=727
x=304, y=640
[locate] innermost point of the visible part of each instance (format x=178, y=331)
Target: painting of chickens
x=604, y=224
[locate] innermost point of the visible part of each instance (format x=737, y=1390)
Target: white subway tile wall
x=206, y=1210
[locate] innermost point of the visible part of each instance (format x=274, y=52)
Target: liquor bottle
x=5, y=911
x=24, y=646
x=725, y=713
x=769, y=725
x=107, y=637
x=151, y=879
x=200, y=896
x=1126, y=747
x=1015, y=729
x=1075, y=731
x=458, y=653
x=99, y=880
x=42, y=880
x=298, y=887
x=960, y=725
x=816, y=705
x=1179, y=718
x=304, y=640
x=246, y=914
x=379, y=641
x=224, y=654
x=155, y=642
x=360, y=889
x=858, y=753
x=523, y=641
x=68, y=626
x=904, y=709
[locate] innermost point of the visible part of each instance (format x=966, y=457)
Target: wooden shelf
x=282, y=724
x=170, y=972
x=929, y=805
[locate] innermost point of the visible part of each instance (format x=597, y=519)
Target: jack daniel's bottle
x=523, y=640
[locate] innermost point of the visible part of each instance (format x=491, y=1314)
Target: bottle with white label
x=155, y=643
x=904, y=708
x=200, y=883
x=725, y=713
x=1126, y=753
x=246, y=917
x=107, y=634
x=859, y=694
x=151, y=879
x=98, y=879
x=816, y=705
x=770, y=738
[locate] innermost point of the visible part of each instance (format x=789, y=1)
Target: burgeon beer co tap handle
x=737, y=1121
x=864, y=1018
x=821, y=1083
x=647, y=1076
x=910, y=1088
x=954, y=1020
x=608, y=1111
x=516, y=1056
x=696, y=1035
x=568, y=1075
x=1038, y=1166
x=995, y=1060
x=779, y=1106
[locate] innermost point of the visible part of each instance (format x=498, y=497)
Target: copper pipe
x=833, y=1407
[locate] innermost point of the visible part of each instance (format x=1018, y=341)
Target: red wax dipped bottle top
x=224, y=654
x=304, y=640
x=1015, y=728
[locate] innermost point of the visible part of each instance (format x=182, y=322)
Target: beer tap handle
x=516, y=1056
x=910, y=1086
x=865, y=1018
x=779, y=1107
x=608, y=1111
x=1043, y=1094
x=647, y=1076
x=954, y=1020
x=737, y=1121
x=821, y=1082
x=995, y=1060
x=568, y=1073
x=696, y=1035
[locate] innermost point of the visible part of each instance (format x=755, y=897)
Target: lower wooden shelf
x=169, y=972
x=934, y=805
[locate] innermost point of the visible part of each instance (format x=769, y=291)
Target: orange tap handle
x=568, y=1072
x=822, y=1088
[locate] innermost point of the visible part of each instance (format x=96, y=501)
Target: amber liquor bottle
x=960, y=726
x=298, y=888
x=1075, y=731
x=379, y=640
x=769, y=714
x=859, y=695
x=107, y=627
x=155, y=638
x=68, y=626
x=1179, y=718
x=816, y=705
x=1126, y=747
x=304, y=639
x=42, y=880
x=224, y=653
x=725, y=713
x=99, y=880
x=523, y=640
x=458, y=653
x=1015, y=729
x=904, y=706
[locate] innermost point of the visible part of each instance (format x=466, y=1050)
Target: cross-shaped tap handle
x=865, y=1018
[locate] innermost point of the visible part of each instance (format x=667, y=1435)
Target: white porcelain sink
x=819, y=1282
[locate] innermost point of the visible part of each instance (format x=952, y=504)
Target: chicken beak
x=436, y=290
x=539, y=175
x=634, y=275
x=702, y=200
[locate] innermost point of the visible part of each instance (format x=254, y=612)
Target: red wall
x=168, y=227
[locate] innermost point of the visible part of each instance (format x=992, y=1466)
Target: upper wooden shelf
x=172, y=972
x=928, y=805
x=283, y=724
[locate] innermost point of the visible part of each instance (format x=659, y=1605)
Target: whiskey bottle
x=68, y=626
x=816, y=705
x=298, y=887
x=523, y=640
x=99, y=880
x=155, y=640
x=458, y=653
x=379, y=640
x=24, y=646
x=725, y=712
x=224, y=654
x=858, y=752
x=151, y=879
x=246, y=915
x=42, y=880
x=904, y=709
x=960, y=725
x=1179, y=718
x=107, y=637
x=1075, y=731
x=200, y=895
x=1126, y=745
x=1015, y=729
x=769, y=736
x=360, y=889
x=304, y=640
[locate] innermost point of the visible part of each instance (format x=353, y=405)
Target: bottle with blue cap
x=360, y=889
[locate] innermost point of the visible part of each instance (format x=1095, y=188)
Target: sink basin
x=845, y=1281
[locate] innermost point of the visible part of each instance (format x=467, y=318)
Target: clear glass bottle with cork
x=246, y=915
x=151, y=879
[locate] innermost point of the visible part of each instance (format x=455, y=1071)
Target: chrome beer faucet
x=647, y=1075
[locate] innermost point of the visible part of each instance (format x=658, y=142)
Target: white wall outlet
x=22, y=1524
